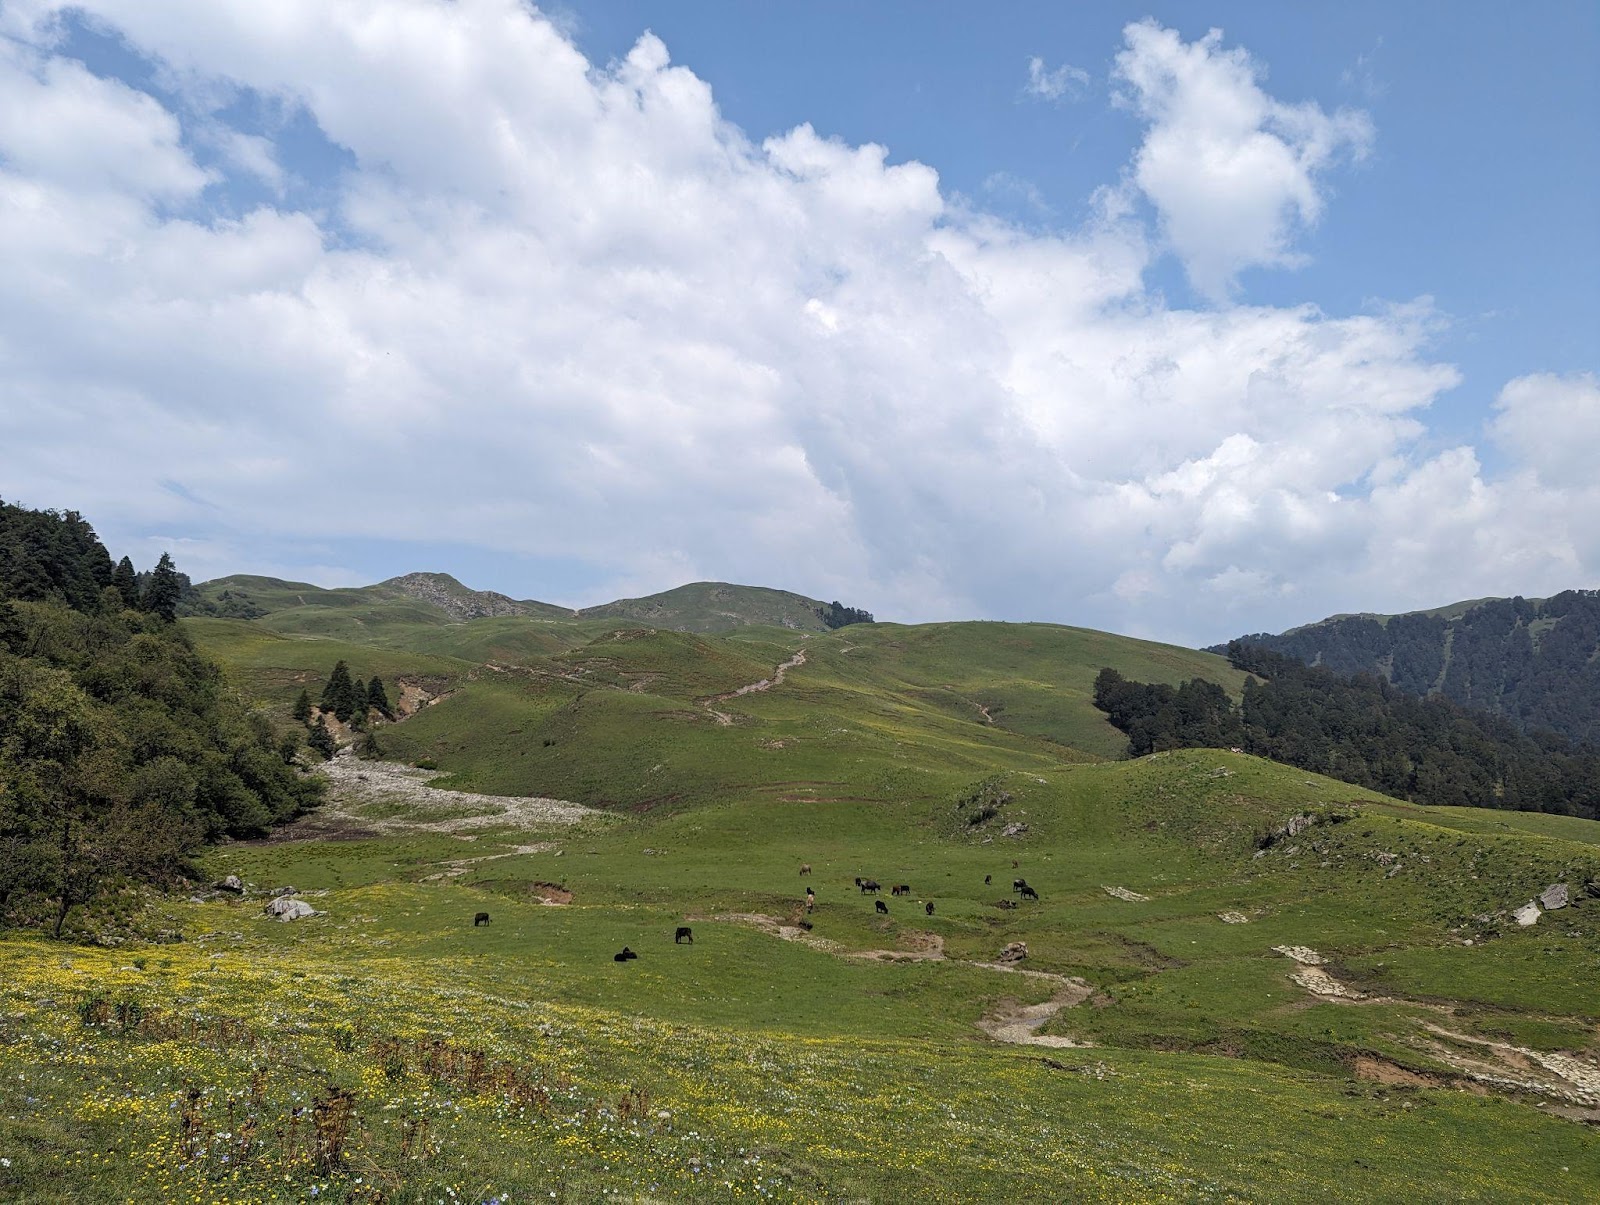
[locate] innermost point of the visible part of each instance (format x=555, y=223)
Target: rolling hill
x=1339, y=985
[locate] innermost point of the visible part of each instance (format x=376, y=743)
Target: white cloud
x=1551, y=424
x=1066, y=82
x=565, y=310
x=1233, y=173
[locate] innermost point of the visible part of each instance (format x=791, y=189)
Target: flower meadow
x=259, y=1074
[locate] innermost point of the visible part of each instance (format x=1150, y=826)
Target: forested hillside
x=1359, y=729
x=1534, y=661
x=121, y=750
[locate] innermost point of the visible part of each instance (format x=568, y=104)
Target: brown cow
x=805, y=868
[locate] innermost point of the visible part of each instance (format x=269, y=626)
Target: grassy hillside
x=716, y=607
x=518, y=1058
x=1241, y=981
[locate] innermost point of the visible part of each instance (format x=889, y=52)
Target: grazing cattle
x=811, y=899
x=858, y=882
x=805, y=868
x=684, y=933
x=624, y=956
x=1028, y=893
x=869, y=885
x=929, y=907
x=1013, y=863
x=881, y=907
x=1019, y=884
x=986, y=879
x=481, y=919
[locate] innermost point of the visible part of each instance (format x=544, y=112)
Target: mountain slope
x=716, y=607
x=1535, y=662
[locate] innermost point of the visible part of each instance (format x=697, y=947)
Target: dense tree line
x=1360, y=730
x=1536, y=663
x=121, y=750
x=836, y=615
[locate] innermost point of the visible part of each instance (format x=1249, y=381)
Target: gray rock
x=1526, y=915
x=281, y=891
x=1015, y=951
x=1297, y=825
x=1554, y=896
x=1013, y=830
x=286, y=909
x=231, y=883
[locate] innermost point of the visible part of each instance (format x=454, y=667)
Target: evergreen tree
x=302, y=707
x=338, y=696
x=378, y=698
x=359, y=701
x=164, y=589
x=321, y=739
x=127, y=583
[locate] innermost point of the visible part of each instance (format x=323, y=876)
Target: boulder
x=282, y=891
x=1014, y=830
x=1554, y=896
x=1527, y=914
x=286, y=909
x=1015, y=951
x=231, y=883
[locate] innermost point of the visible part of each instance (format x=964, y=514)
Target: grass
x=432, y=1060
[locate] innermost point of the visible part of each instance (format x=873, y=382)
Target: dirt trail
x=794, y=662
x=1487, y=1061
x=1011, y=1022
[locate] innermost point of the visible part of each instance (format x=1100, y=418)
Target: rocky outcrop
x=285, y=908
x=457, y=601
x=1015, y=951
x=1553, y=897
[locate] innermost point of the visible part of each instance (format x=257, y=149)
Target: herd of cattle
x=868, y=887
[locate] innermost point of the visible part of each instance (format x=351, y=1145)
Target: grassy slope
x=821, y=1075
x=715, y=607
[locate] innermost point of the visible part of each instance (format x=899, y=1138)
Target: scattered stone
x=1385, y=859
x=231, y=883
x=286, y=909
x=1526, y=915
x=1233, y=918
x=1015, y=951
x=280, y=891
x=1297, y=825
x=1393, y=870
x=1013, y=830
x=1304, y=955
x=1554, y=896
x=1122, y=893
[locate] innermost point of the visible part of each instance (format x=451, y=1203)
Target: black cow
x=881, y=907
x=1028, y=893
x=1019, y=884
x=986, y=879
x=481, y=919
x=929, y=907
x=624, y=956
x=869, y=885
x=684, y=933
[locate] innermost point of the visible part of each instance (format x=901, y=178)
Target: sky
x=1177, y=320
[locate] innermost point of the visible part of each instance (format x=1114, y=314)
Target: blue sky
x=1172, y=320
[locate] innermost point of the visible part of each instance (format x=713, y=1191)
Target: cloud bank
x=565, y=310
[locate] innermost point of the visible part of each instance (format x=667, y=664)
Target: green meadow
x=1154, y=1044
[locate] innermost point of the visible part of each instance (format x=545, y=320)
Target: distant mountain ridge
x=702, y=607
x=1536, y=662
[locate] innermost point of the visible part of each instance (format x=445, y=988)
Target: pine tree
x=338, y=696
x=378, y=698
x=127, y=583
x=164, y=589
x=302, y=707
x=359, y=699
x=321, y=739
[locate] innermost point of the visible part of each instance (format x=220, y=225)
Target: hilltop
x=439, y=598
x=1535, y=662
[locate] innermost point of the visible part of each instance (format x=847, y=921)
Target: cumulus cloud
x=566, y=311
x=1551, y=424
x=1066, y=82
x=1233, y=172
